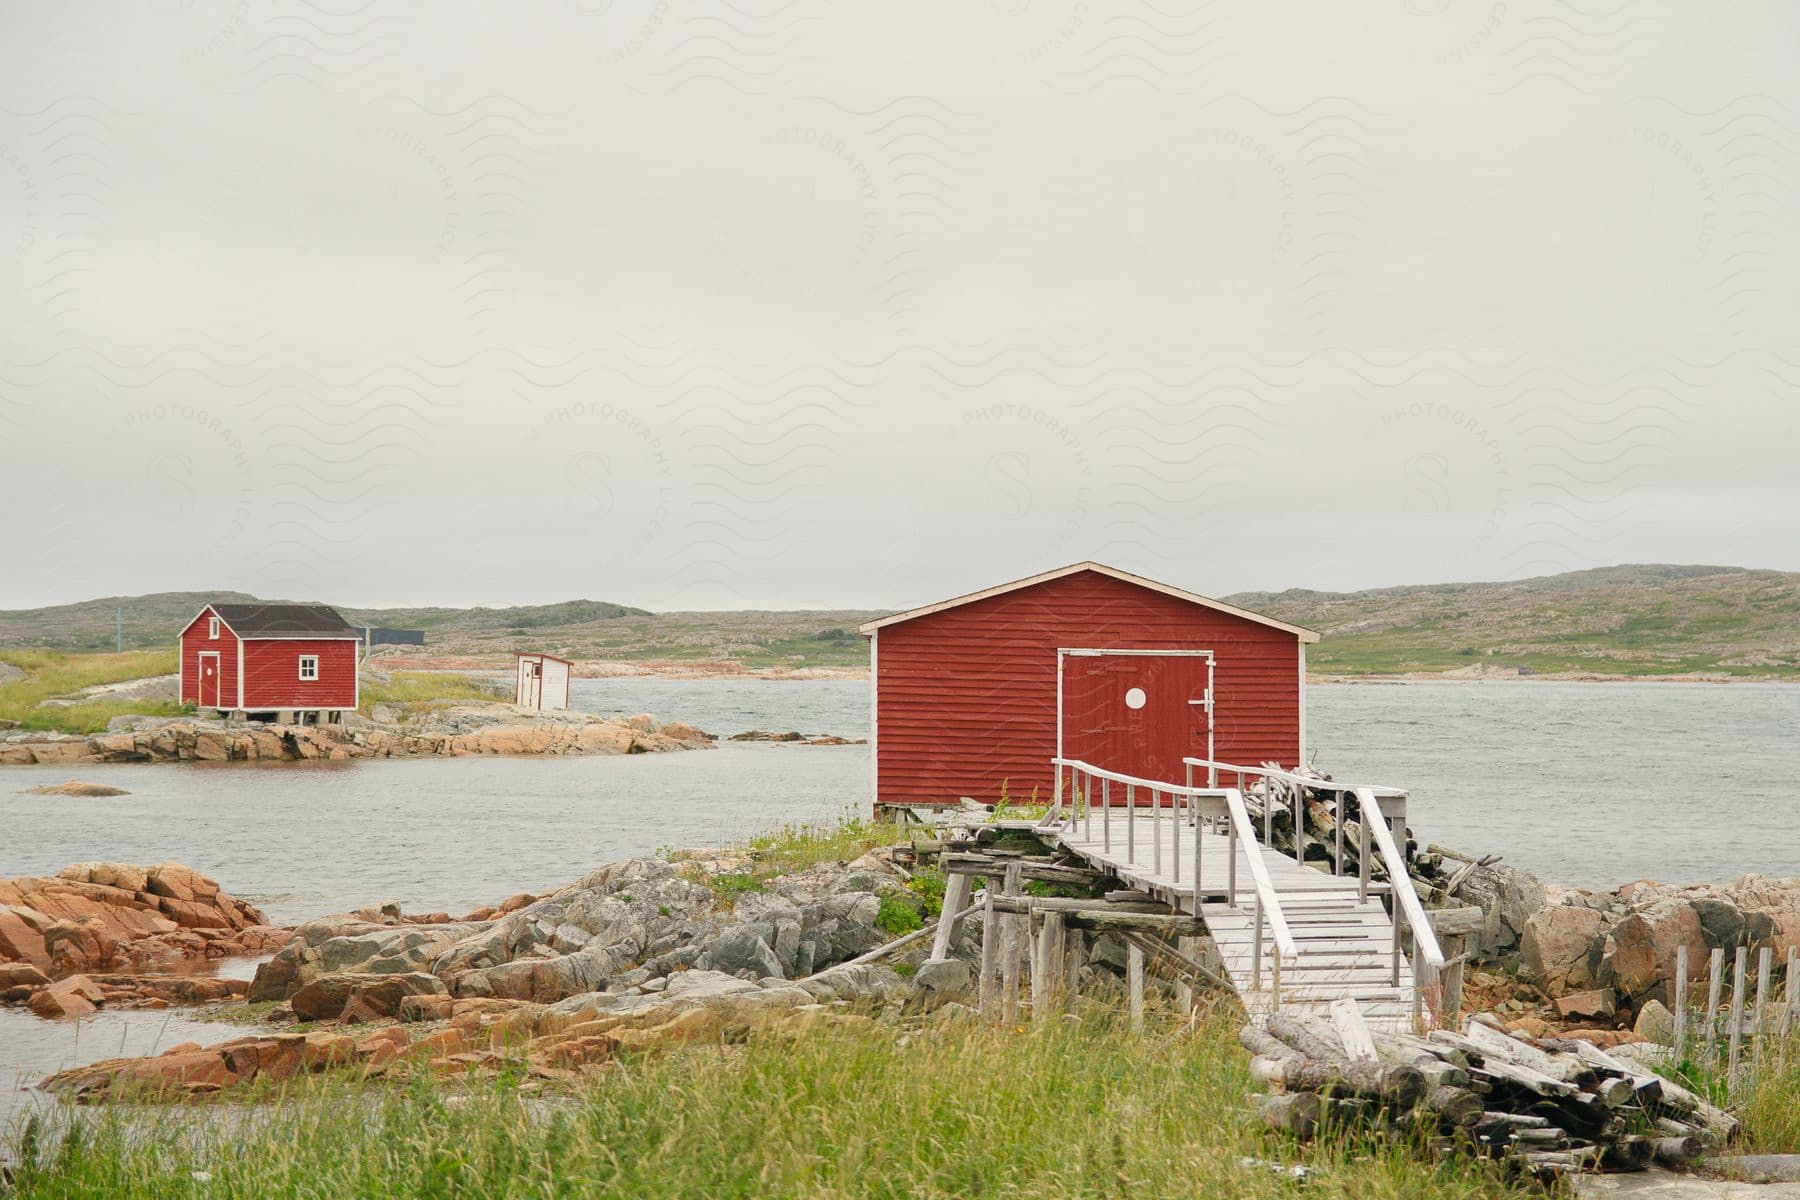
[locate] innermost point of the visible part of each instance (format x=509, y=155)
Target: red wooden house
x=1085, y=662
x=282, y=660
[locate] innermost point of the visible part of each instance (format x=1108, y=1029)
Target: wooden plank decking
x=1345, y=944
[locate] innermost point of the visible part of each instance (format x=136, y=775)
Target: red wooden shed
x=1088, y=662
x=270, y=658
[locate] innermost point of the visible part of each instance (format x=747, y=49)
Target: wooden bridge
x=1287, y=932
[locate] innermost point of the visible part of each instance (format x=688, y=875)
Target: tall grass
x=788, y=848
x=52, y=673
x=424, y=690
x=853, y=1111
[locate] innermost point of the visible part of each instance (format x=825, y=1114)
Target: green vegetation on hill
x=48, y=673
x=1628, y=620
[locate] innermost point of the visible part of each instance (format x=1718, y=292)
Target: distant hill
x=1633, y=620
x=1640, y=619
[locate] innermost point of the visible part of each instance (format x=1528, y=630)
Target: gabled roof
x=283, y=620
x=1305, y=635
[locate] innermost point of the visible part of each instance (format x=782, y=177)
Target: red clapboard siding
x=272, y=674
x=966, y=697
x=194, y=642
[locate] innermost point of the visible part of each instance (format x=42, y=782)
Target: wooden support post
x=1074, y=958
x=1739, y=963
x=1012, y=948
x=1106, y=814
x=1680, y=998
x=989, y=987
x=1299, y=824
x=1130, y=823
x=1047, y=979
x=1155, y=832
x=1134, y=985
x=1337, y=860
x=956, y=898
x=1455, y=949
x=1362, y=857
x=1184, y=991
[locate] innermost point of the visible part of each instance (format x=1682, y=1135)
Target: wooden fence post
x=1679, y=997
x=1764, y=959
x=1714, y=986
x=1134, y=985
x=1739, y=962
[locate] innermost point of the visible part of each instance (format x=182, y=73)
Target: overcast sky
x=751, y=304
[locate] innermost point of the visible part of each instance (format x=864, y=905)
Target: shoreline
x=721, y=671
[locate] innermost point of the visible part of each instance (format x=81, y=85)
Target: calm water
x=1591, y=784
x=1678, y=782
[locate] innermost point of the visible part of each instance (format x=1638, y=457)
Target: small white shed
x=543, y=681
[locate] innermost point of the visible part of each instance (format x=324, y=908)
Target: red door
x=209, y=681
x=1137, y=714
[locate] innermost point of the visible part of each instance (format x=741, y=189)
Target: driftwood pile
x=1433, y=869
x=1547, y=1107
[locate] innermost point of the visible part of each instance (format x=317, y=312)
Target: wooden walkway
x=1346, y=945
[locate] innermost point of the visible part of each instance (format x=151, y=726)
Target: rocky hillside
x=1625, y=620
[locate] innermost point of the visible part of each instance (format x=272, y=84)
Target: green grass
x=1074, y=1110
x=899, y=914
x=58, y=673
x=791, y=848
x=423, y=690
x=1768, y=1096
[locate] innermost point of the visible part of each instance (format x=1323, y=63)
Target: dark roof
x=284, y=620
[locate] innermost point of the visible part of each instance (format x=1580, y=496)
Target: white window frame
x=212, y=629
x=314, y=660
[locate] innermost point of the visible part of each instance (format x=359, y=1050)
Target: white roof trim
x=1305, y=635
x=215, y=612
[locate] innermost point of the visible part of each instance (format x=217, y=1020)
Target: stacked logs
x=1546, y=1107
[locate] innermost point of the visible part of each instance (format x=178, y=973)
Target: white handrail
x=1240, y=820
x=1259, y=874
x=1133, y=780
x=1311, y=781
x=1425, y=941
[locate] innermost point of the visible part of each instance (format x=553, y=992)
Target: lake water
x=1591, y=784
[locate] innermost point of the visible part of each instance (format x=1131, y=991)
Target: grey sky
x=782, y=305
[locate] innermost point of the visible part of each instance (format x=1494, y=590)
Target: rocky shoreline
x=648, y=951
x=458, y=730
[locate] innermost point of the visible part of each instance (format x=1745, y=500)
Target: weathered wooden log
x=1042, y=871
x=1613, y=1092
x=1295, y=1113
x=1454, y=1106
x=1313, y=1039
x=1260, y=1043
x=1677, y=1151
x=1550, y=1138
x=1517, y=1120
x=1633, y=1153
x=1101, y=921
x=1555, y=1163
x=1437, y=1072
x=1398, y=1085
x=1066, y=904
x=1647, y=1087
